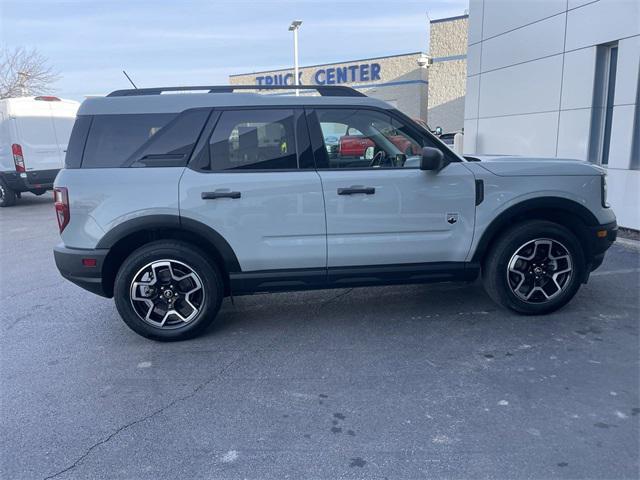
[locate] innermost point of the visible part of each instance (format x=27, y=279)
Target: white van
x=34, y=132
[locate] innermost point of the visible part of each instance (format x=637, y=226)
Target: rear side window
x=254, y=140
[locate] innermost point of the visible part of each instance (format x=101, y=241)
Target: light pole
x=295, y=25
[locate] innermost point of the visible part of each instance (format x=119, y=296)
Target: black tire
x=7, y=196
x=39, y=191
x=207, y=274
x=499, y=282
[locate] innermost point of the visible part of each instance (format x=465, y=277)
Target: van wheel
x=536, y=267
x=7, y=196
x=168, y=290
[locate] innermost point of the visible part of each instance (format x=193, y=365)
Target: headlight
x=603, y=189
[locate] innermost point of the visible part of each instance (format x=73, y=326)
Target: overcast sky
x=173, y=42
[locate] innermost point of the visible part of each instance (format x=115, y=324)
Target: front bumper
x=70, y=264
x=34, y=180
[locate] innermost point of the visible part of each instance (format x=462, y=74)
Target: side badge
x=452, y=218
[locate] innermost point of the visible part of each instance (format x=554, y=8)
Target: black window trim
x=200, y=154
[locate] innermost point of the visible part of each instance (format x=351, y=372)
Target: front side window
x=254, y=140
x=366, y=139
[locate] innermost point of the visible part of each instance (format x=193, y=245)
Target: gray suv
x=170, y=202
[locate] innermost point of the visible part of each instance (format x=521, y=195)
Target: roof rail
x=323, y=90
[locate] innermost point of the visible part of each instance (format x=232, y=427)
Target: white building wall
x=531, y=85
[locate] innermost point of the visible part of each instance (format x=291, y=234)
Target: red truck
x=355, y=145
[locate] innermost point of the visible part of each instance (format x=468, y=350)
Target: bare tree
x=25, y=72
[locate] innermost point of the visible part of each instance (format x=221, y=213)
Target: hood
x=513, y=166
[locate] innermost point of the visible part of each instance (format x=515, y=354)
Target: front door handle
x=215, y=195
x=354, y=190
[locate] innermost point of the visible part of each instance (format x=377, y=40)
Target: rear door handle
x=215, y=195
x=354, y=190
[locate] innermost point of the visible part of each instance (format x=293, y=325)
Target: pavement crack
x=150, y=415
x=335, y=297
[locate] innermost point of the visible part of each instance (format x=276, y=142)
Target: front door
x=381, y=208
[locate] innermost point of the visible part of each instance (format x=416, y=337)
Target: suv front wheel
x=534, y=268
x=168, y=290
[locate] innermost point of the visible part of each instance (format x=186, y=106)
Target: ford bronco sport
x=170, y=202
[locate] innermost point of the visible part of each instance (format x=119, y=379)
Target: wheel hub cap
x=539, y=270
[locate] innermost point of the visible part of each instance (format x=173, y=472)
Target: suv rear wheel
x=168, y=290
x=7, y=196
x=536, y=267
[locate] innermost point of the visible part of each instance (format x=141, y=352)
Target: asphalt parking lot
x=406, y=382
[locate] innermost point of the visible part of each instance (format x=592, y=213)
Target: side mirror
x=432, y=159
x=438, y=131
x=368, y=153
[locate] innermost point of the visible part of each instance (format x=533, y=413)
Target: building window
x=604, y=94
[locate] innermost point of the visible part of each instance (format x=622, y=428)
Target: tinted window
x=78, y=137
x=254, y=139
x=172, y=145
x=366, y=139
x=114, y=138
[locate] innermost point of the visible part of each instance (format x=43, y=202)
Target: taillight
x=18, y=159
x=61, y=199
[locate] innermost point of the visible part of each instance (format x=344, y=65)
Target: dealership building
x=559, y=79
x=553, y=78
x=399, y=79
x=425, y=86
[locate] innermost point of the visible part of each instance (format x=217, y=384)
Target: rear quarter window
x=114, y=138
x=143, y=140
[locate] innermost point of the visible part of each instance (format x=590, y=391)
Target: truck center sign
x=400, y=80
x=364, y=72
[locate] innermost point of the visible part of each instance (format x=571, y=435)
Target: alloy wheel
x=539, y=270
x=167, y=294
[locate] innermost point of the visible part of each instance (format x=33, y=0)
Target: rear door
x=388, y=211
x=37, y=136
x=252, y=181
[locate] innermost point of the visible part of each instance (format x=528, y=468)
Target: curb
x=627, y=242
